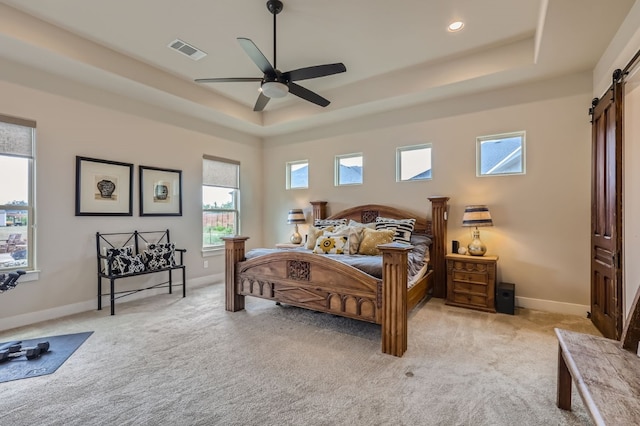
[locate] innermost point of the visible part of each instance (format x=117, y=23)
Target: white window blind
x=16, y=136
x=220, y=172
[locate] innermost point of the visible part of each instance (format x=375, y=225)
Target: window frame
x=482, y=139
x=289, y=165
x=400, y=150
x=235, y=198
x=337, y=165
x=30, y=208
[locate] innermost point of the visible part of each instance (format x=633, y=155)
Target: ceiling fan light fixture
x=274, y=89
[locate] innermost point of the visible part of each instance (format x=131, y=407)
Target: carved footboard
x=322, y=284
x=311, y=281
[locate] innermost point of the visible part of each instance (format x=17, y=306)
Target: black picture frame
x=103, y=187
x=160, y=191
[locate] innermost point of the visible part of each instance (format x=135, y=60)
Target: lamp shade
x=476, y=216
x=296, y=216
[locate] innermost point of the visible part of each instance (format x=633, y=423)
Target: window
x=220, y=200
x=413, y=163
x=298, y=174
x=500, y=154
x=17, y=140
x=348, y=169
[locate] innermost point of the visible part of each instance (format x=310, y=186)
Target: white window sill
x=213, y=251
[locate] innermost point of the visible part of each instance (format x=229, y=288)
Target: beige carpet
x=166, y=360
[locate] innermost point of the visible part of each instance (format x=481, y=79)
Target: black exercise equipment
x=13, y=350
x=10, y=281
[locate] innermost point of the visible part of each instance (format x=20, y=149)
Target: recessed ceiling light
x=455, y=26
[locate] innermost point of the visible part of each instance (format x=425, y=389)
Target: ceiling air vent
x=187, y=49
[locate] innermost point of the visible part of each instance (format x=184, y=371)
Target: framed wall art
x=160, y=191
x=103, y=188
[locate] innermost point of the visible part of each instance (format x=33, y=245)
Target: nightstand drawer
x=479, y=300
x=469, y=287
x=472, y=277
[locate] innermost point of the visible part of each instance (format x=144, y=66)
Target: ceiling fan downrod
x=275, y=7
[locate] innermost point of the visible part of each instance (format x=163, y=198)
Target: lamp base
x=477, y=247
x=296, y=238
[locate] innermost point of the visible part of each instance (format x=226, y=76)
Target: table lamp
x=476, y=216
x=295, y=217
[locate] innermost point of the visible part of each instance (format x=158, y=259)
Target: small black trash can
x=505, y=298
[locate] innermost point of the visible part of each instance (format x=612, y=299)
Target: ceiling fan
x=274, y=83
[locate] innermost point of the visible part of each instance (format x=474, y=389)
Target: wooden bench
x=607, y=377
x=130, y=254
x=606, y=372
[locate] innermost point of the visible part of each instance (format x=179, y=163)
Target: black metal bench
x=131, y=254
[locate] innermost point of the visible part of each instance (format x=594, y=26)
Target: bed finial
x=319, y=209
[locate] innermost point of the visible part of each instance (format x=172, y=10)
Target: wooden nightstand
x=471, y=281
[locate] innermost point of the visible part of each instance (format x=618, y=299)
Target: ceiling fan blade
x=307, y=95
x=314, y=72
x=261, y=102
x=227, y=80
x=256, y=56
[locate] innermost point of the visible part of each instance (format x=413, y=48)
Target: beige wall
x=66, y=243
x=541, y=219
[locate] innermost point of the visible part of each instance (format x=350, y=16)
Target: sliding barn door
x=606, y=212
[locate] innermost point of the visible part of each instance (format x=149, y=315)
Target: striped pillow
x=324, y=223
x=403, y=228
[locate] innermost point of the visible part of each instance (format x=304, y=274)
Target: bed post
x=439, y=230
x=394, y=298
x=319, y=210
x=233, y=253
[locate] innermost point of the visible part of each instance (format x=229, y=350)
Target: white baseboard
x=552, y=306
x=89, y=305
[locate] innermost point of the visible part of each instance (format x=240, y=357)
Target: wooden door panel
x=606, y=214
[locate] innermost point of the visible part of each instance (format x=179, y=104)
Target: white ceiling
x=397, y=53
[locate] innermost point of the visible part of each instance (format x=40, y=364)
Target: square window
x=297, y=174
x=413, y=163
x=348, y=169
x=501, y=154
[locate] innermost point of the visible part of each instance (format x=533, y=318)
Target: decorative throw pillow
x=158, y=256
x=403, y=227
x=354, y=236
x=111, y=253
x=371, y=225
x=125, y=264
x=313, y=235
x=324, y=223
x=331, y=245
x=373, y=238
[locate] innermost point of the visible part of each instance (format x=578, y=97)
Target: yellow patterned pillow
x=372, y=238
x=336, y=244
x=313, y=235
x=353, y=234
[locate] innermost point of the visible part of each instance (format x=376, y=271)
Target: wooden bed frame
x=322, y=284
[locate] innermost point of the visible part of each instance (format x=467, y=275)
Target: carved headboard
x=369, y=212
